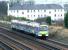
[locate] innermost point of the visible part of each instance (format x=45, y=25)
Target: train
x=33, y=28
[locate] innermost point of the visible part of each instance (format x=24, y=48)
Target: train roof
x=33, y=24
x=44, y=25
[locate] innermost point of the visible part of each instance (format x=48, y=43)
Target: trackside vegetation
x=9, y=18
x=45, y=19
x=66, y=20
x=40, y=20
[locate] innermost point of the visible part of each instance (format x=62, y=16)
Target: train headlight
x=39, y=34
x=47, y=34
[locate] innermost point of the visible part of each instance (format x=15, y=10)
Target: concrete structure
x=33, y=11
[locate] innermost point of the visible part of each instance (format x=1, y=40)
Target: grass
x=7, y=25
x=59, y=34
x=61, y=39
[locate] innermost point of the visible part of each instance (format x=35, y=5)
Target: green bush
x=40, y=20
x=9, y=18
x=22, y=18
x=45, y=19
x=66, y=20
x=48, y=20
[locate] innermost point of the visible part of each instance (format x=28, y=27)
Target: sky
x=46, y=1
x=3, y=0
x=50, y=1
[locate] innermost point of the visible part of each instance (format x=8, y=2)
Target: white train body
x=30, y=27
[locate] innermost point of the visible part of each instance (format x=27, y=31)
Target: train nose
x=44, y=37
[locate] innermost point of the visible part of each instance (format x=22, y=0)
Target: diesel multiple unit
x=34, y=28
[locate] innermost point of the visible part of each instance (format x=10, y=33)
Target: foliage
x=9, y=18
x=66, y=20
x=48, y=20
x=22, y=18
x=40, y=20
x=45, y=19
x=3, y=8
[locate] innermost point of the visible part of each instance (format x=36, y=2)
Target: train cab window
x=44, y=28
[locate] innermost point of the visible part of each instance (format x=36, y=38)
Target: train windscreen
x=43, y=28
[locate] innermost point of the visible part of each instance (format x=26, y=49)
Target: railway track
x=32, y=40
x=62, y=44
x=51, y=43
x=4, y=47
x=12, y=44
x=31, y=43
x=55, y=44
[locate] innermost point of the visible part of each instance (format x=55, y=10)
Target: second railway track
x=12, y=44
x=4, y=47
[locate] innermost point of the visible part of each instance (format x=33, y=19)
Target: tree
x=41, y=20
x=66, y=20
x=15, y=1
x=3, y=8
x=48, y=20
x=21, y=18
x=45, y=19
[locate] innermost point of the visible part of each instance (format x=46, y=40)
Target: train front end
x=43, y=31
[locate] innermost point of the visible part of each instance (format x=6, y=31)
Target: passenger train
x=39, y=30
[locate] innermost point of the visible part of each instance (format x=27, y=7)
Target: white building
x=33, y=11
